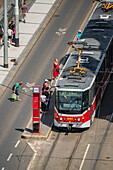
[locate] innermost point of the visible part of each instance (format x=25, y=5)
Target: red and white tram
x=78, y=91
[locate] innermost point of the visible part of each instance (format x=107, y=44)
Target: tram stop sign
x=36, y=109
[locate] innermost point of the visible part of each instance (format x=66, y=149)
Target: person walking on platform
x=24, y=10
x=15, y=90
x=55, y=69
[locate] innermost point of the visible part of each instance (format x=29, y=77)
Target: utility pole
x=5, y=36
x=16, y=24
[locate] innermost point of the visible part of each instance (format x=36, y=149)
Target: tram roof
x=98, y=35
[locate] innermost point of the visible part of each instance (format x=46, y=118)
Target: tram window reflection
x=70, y=101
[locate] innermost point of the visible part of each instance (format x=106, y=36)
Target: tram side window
x=85, y=102
x=56, y=101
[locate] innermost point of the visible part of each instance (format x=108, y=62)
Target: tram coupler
x=69, y=127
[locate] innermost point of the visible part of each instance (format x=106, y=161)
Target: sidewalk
x=37, y=19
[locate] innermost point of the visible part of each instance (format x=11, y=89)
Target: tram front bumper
x=68, y=124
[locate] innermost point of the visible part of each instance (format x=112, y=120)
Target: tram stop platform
x=46, y=123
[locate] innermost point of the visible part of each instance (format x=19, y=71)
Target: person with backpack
x=1, y=34
x=15, y=90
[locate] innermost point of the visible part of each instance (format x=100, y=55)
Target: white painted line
x=31, y=147
x=17, y=143
x=31, y=162
x=3, y=168
x=9, y=157
x=84, y=157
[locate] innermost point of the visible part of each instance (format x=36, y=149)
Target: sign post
x=36, y=109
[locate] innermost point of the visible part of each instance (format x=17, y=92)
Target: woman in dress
x=55, y=69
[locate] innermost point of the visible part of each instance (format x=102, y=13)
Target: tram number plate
x=69, y=118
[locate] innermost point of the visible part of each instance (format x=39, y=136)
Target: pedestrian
x=1, y=34
x=48, y=96
x=15, y=90
x=55, y=69
x=78, y=35
x=13, y=33
x=10, y=32
x=45, y=85
x=11, y=25
x=24, y=11
x=43, y=102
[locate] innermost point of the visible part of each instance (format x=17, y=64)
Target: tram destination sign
x=70, y=93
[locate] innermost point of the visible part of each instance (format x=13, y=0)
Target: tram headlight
x=78, y=119
x=74, y=119
x=61, y=118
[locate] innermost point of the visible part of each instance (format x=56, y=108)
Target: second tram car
x=78, y=91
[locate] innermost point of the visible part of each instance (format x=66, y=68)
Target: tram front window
x=70, y=102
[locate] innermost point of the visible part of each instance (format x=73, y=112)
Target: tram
x=86, y=73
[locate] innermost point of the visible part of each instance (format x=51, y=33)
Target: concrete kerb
x=28, y=48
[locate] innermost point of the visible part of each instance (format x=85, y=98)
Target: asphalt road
x=14, y=152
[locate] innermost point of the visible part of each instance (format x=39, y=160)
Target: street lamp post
x=5, y=36
x=16, y=24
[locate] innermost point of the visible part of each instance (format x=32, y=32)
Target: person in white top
x=10, y=36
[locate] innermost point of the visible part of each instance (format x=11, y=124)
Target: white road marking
x=9, y=157
x=84, y=156
x=61, y=31
x=28, y=87
x=31, y=162
x=17, y=143
x=3, y=168
x=31, y=147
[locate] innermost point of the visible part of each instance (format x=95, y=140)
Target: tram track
x=102, y=142
x=73, y=152
x=52, y=148
x=56, y=144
